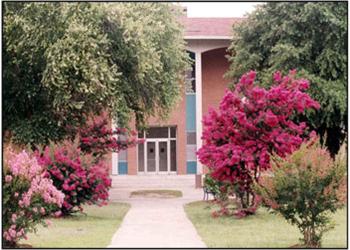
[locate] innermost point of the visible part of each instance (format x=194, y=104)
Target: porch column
x=114, y=155
x=198, y=56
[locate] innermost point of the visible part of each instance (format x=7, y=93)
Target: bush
x=305, y=187
x=251, y=123
x=79, y=176
x=28, y=196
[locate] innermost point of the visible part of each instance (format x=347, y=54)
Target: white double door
x=157, y=156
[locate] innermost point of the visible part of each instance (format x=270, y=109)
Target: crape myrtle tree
x=310, y=37
x=251, y=123
x=64, y=62
x=306, y=188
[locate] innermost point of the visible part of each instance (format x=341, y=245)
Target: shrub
x=251, y=123
x=79, y=176
x=28, y=196
x=305, y=187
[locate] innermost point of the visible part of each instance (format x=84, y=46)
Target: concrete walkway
x=156, y=222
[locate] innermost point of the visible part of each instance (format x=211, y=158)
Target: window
x=123, y=155
x=172, y=132
x=158, y=132
x=191, y=138
x=191, y=152
x=190, y=79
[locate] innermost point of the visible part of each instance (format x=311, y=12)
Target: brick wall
x=214, y=66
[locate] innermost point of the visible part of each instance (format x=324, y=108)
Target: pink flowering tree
x=28, y=196
x=251, y=123
x=98, y=138
x=82, y=178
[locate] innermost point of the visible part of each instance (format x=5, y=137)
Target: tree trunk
x=310, y=238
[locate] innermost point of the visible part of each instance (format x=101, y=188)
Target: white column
x=199, y=105
x=114, y=155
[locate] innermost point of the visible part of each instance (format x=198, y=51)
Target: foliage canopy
x=310, y=37
x=66, y=61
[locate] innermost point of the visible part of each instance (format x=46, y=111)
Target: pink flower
x=14, y=218
x=58, y=214
x=304, y=84
x=277, y=76
x=16, y=194
x=8, y=178
x=20, y=203
x=42, y=210
x=12, y=233
x=271, y=119
x=7, y=236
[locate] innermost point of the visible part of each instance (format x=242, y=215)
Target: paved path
x=156, y=222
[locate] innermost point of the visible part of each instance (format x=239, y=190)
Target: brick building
x=170, y=145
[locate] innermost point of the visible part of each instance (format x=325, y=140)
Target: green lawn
x=261, y=230
x=92, y=230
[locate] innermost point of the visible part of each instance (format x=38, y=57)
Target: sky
x=219, y=9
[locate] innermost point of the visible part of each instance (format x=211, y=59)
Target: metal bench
x=206, y=193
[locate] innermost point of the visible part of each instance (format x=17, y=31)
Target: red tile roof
x=208, y=27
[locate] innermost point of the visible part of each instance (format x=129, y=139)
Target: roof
x=208, y=28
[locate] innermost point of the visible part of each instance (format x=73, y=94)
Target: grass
x=157, y=193
x=95, y=229
x=258, y=231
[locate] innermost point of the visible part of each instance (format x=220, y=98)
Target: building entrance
x=157, y=155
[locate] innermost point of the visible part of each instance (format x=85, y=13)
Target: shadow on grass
x=163, y=194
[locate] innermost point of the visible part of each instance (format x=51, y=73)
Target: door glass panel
x=163, y=156
x=172, y=155
x=151, y=156
x=141, y=156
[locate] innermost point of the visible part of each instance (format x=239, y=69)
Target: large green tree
x=310, y=37
x=65, y=61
